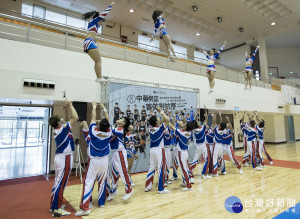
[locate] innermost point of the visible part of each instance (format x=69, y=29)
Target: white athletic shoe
x=257, y=168
x=271, y=162
x=60, y=213
x=169, y=182
x=187, y=189
x=82, y=213
x=262, y=166
x=192, y=180
x=215, y=175
x=211, y=90
x=206, y=176
x=246, y=165
x=165, y=185
x=224, y=173
x=111, y=195
x=91, y=205
x=101, y=80
x=101, y=206
x=164, y=191
x=127, y=195
x=132, y=184
x=241, y=171
x=147, y=190
x=173, y=178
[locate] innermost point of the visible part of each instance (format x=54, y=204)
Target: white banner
x=150, y=97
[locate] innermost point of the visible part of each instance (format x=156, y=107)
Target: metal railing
x=68, y=38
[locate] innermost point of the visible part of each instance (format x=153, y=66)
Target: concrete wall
x=286, y=59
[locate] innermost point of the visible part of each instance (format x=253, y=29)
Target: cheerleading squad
x=97, y=18
x=170, y=139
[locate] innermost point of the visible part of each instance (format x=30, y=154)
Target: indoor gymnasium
x=149, y=109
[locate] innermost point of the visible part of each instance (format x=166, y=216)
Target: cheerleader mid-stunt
x=89, y=44
x=210, y=68
x=248, y=68
x=160, y=25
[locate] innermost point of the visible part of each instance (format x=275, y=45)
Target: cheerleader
x=160, y=25
x=184, y=134
x=248, y=68
x=131, y=154
x=228, y=148
x=89, y=44
x=210, y=68
x=261, y=143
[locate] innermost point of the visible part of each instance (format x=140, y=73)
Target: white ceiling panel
x=255, y=16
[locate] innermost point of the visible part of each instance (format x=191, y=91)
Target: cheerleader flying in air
x=89, y=44
x=210, y=68
x=160, y=25
x=248, y=68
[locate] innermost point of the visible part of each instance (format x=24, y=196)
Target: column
x=263, y=61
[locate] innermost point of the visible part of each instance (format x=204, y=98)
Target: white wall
x=286, y=59
x=74, y=72
x=235, y=58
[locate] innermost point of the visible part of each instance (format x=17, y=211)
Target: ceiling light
x=197, y=34
x=219, y=19
x=195, y=8
x=270, y=73
x=273, y=23
x=131, y=10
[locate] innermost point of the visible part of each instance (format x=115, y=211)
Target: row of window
x=43, y=13
x=40, y=12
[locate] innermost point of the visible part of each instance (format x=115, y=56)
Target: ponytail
x=89, y=14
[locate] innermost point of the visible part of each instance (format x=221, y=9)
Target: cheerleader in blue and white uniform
x=248, y=68
x=131, y=153
x=160, y=25
x=89, y=44
x=210, y=68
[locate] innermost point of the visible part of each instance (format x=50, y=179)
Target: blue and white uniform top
x=227, y=137
x=160, y=21
x=167, y=137
x=130, y=145
x=183, y=138
x=99, y=144
x=212, y=59
x=249, y=61
x=93, y=25
x=260, y=132
x=199, y=134
x=64, y=141
x=156, y=136
x=219, y=135
x=252, y=133
x=209, y=135
x=244, y=128
x=117, y=142
x=87, y=139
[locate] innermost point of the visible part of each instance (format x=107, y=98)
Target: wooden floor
x=208, y=196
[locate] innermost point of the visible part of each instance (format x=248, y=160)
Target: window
x=27, y=9
x=144, y=43
x=75, y=22
x=56, y=17
x=180, y=52
x=199, y=57
x=39, y=11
